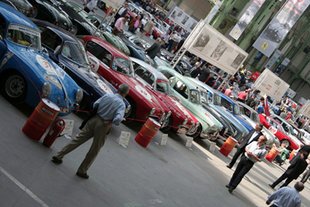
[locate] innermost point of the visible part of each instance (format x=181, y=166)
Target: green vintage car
x=116, y=42
x=189, y=96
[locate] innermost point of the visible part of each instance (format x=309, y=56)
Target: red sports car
x=181, y=120
x=276, y=128
x=117, y=68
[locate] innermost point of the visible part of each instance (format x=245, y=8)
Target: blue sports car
x=27, y=74
x=69, y=53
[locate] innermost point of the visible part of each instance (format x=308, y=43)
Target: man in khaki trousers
x=110, y=110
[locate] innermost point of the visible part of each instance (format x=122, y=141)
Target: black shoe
x=56, y=160
x=227, y=186
x=271, y=186
x=229, y=166
x=230, y=190
x=82, y=175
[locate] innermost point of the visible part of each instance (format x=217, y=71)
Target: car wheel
x=286, y=142
x=14, y=87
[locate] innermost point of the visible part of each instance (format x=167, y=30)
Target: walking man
x=155, y=48
x=251, y=137
x=111, y=110
x=296, y=168
x=254, y=152
x=286, y=196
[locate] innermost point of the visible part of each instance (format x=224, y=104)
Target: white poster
x=305, y=109
x=246, y=18
x=270, y=84
x=280, y=25
x=182, y=19
x=115, y=4
x=213, y=47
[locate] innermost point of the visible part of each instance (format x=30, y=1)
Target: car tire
x=14, y=87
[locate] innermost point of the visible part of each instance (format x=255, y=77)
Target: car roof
x=109, y=47
x=245, y=106
x=16, y=17
x=150, y=68
x=179, y=76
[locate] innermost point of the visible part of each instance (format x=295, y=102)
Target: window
x=227, y=104
x=75, y=52
x=162, y=86
x=24, y=36
x=145, y=75
x=123, y=66
x=181, y=88
x=99, y=52
x=50, y=40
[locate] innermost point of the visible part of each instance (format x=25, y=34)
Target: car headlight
x=46, y=89
x=185, y=121
x=152, y=111
x=79, y=95
x=163, y=117
x=168, y=114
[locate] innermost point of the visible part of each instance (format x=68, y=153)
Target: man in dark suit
x=296, y=168
x=249, y=138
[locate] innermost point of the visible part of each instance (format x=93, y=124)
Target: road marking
x=24, y=188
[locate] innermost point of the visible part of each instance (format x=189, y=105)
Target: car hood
x=229, y=116
x=99, y=83
x=46, y=69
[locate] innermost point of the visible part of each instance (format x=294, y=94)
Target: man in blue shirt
x=286, y=196
x=110, y=110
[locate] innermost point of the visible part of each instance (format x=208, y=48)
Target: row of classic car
x=45, y=59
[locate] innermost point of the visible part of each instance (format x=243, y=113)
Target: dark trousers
x=239, y=152
x=242, y=169
x=305, y=176
x=281, y=178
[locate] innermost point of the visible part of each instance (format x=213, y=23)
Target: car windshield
x=123, y=66
x=194, y=96
x=294, y=132
x=162, y=86
x=75, y=52
x=24, y=36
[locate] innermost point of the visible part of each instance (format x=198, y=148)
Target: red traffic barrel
x=272, y=154
x=147, y=132
x=54, y=132
x=228, y=146
x=40, y=119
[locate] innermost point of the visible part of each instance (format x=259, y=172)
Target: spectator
x=119, y=25
x=306, y=175
x=110, y=110
x=121, y=12
x=243, y=95
x=260, y=107
x=286, y=196
x=155, y=48
x=148, y=28
x=248, y=139
x=254, y=152
x=90, y=6
x=204, y=74
x=297, y=167
x=134, y=24
x=228, y=91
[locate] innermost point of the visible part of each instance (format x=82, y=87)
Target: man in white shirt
x=90, y=5
x=252, y=136
x=253, y=152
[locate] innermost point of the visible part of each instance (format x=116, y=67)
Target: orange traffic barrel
x=147, y=132
x=292, y=155
x=41, y=118
x=272, y=154
x=228, y=146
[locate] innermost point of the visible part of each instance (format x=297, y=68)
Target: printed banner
x=182, y=19
x=246, y=18
x=280, y=25
x=213, y=47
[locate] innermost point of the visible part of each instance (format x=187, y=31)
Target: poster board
x=115, y=4
x=270, y=84
x=213, y=47
x=184, y=20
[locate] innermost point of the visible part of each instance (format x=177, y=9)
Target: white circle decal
x=50, y=70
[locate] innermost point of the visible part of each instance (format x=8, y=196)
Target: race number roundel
x=50, y=70
x=143, y=92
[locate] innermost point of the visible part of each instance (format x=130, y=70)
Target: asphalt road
x=168, y=176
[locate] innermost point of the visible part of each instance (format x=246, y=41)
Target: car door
x=3, y=47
